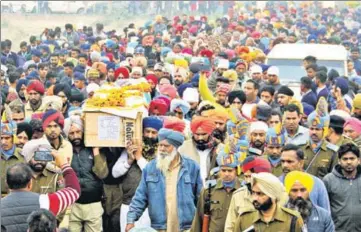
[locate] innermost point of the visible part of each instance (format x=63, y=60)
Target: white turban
x=35, y=145
x=54, y=102
x=269, y=184
x=137, y=69
x=191, y=95
x=74, y=120
x=259, y=125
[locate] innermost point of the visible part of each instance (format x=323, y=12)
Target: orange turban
x=217, y=115
x=205, y=123
x=174, y=123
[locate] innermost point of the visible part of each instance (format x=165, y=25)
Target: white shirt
x=121, y=167
x=203, y=163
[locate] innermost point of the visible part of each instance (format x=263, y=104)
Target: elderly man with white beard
x=170, y=187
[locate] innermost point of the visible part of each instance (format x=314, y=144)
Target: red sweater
x=58, y=201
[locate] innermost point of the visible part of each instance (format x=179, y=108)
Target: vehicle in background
x=289, y=59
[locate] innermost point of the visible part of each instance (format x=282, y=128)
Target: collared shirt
x=300, y=138
x=171, y=198
x=320, y=89
x=29, y=111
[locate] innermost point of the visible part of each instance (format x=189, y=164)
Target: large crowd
x=225, y=145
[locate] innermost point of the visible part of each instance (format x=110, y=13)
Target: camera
x=43, y=156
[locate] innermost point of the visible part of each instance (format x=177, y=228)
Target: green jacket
x=321, y=163
x=5, y=163
x=218, y=210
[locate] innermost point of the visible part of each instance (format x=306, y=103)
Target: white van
x=289, y=59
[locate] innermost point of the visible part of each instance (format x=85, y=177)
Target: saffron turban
x=206, y=124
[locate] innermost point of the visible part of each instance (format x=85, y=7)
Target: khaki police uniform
x=219, y=207
x=4, y=164
x=323, y=161
x=281, y=221
x=276, y=169
x=47, y=182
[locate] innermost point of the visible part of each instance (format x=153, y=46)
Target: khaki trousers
x=86, y=217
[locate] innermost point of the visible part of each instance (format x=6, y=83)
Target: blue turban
x=79, y=76
x=109, y=43
x=20, y=83
x=183, y=87
x=173, y=137
x=195, y=80
x=33, y=75
x=79, y=68
x=85, y=46
x=152, y=122
x=276, y=136
x=139, y=50
x=110, y=65
x=164, y=51
x=8, y=128
x=36, y=52
x=342, y=83
x=265, y=67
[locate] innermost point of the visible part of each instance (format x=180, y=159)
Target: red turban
x=206, y=124
x=257, y=164
x=37, y=86
x=207, y=53
x=53, y=115
x=179, y=28
x=168, y=90
x=153, y=78
x=174, y=123
x=121, y=70
x=158, y=104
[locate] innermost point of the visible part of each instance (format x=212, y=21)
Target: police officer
x=220, y=193
x=275, y=140
x=320, y=155
x=44, y=180
x=9, y=153
x=335, y=132
x=268, y=215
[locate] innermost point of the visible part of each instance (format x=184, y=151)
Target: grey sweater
x=345, y=199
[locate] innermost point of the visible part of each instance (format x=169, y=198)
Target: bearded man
x=132, y=161
x=165, y=185
x=299, y=185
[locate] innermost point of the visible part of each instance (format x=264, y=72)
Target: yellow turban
x=181, y=63
x=357, y=101
x=230, y=74
x=302, y=177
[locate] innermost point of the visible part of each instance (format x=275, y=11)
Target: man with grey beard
x=170, y=187
x=299, y=185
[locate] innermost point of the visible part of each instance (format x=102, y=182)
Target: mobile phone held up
x=43, y=156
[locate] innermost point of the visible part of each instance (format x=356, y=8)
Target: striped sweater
x=58, y=201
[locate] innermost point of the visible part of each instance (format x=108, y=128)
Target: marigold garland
x=116, y=96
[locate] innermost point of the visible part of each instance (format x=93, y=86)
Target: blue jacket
x=319, y=220
x=151, y=193
x=310, y=98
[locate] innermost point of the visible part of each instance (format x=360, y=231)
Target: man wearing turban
x=352, y=129
x=35, y=91
x=158, y=107
x=221, y=190
x=171, y=172
x=299, y=185
x=10, y=154
x=202, y=147
x=53, y=123
x=90, y=166
x=320, y=155
x=275, y=140
x=269, y=214
x=257, y=133
x=132, y=161
x=24, y=133
x=44, y=180
x=220, y=119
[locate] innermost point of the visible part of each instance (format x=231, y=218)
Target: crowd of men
x=225, y=146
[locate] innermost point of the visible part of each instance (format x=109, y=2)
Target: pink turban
x=174, y=123
x=354, y=123
x=168, y=90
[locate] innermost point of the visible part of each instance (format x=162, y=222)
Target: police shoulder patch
x=290, y=211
